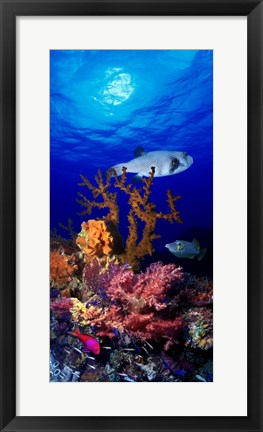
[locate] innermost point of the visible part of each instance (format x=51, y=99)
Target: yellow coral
x=83, y=315
x=94, y=239
x=104, y=318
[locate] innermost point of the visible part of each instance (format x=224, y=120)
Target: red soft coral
x=139, y=299
x=168, y=329
x=145, y=289
x=154, y=284
x=121, y=285
x=137, y=322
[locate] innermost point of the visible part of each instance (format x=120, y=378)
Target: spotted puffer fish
x=185, y=249
x=165, y=162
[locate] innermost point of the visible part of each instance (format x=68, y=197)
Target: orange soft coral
x=94, y=239
x=61, y=270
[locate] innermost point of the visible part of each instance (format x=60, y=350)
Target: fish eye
x=179, y=246
x=174, y=164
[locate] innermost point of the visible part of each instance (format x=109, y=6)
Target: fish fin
x=191, y=257
x=76, y=329
x=72, y=333
x=196, y=244
x=75, y=332
x=202, y=254
x=136, y=179
x=139, y=151
x=118, y=168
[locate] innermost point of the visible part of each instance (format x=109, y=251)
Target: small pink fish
x=88, y=341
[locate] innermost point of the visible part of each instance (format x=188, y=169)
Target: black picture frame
x=10, y=9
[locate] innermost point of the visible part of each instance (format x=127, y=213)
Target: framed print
x=120, y=290
x=131, y=242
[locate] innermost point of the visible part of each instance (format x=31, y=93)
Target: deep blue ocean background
x=103, y=104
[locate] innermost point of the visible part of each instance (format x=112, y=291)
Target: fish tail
x=76, y=332
x=202, y=254
x=196, y=244
x=72, y=333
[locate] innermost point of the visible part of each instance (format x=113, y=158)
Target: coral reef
x=61, y=308
x=151, y=325
x=66, y=373
x=142, y=211
x=200, y=328
x=95, y=374
x=137, y=298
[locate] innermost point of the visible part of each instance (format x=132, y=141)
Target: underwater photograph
x=131, y=216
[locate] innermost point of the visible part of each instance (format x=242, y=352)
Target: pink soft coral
x=140, y=298
x=61, y=308
x=146, y=289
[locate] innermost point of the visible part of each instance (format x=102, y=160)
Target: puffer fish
x=185, y=249
x=90, y=343
x=165, y=162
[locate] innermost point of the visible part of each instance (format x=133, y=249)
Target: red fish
x=88, y=341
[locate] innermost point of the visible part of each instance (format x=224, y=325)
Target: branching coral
x=142, y=210
x=94, y=239
x=69, y=228
x=62, y=267
x=108, y=200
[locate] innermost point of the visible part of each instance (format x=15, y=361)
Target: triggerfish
x=185, y=249
x=165, y=163
x=90, y=343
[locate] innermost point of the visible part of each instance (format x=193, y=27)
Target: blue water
x=103, y=104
